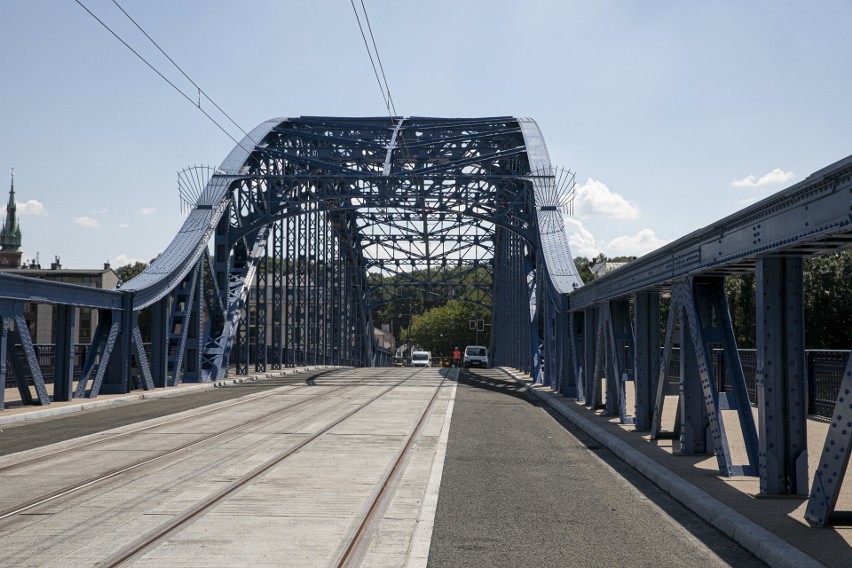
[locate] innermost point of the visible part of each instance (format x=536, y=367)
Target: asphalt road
x=523, y=487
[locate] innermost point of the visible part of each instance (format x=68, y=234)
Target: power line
x=370, y=54
x=378, y=57
x=188, y=78
x=163, y=77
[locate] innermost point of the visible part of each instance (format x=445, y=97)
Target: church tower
x=10, y=234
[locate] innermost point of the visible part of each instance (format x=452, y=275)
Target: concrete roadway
x=520, y=486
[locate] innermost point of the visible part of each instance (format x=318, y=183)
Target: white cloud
x=124, y=226
x=775, y=177
x=148, y=210
x=582, y=242
x=88, y=222
x=123, y=259
x=594, y=198
x=32, y=207
x=641, y=243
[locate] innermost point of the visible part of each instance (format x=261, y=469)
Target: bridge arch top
x=371, y=149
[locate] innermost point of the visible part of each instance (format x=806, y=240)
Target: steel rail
x=156, y=535
x=79, y=486
x=352, y=552
x=207, y=410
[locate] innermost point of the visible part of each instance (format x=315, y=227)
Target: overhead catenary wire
x=163, y=77
x=378, y=57
x=188, y=78
x=382, y=88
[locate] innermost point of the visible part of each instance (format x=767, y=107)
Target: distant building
x=10, y=234
x=601, y=268
x=41, y=318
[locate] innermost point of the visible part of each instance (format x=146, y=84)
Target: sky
x=673, y=114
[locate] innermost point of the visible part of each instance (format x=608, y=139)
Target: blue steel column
x=781, y=378
x=4, y=350
x=693, y=415
x=260, y=306
x=549, y=379
x=159, y=353
x=278, y=305
x=834, y=459
x=63, y=376
x=577, y=354
x=623, y=347
x=590, y=332
x=646, y=356
x=568, y=380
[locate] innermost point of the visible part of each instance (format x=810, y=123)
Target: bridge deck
x=521, y=485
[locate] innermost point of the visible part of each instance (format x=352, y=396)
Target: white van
x=421, y=359
x=476, y=355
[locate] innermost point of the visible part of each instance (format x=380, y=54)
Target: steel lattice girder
x=354, y=197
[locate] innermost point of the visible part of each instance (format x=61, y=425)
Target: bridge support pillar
x=594, y=398
x=566, y=348
x=63, y=376
x=646, y=355
x=781, y=379
x=694, y=421
x=159, y=338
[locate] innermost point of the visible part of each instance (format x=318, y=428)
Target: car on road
x=421, y=359
x=475, y=356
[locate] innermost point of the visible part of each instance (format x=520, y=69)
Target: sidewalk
x=772, y=528
x=16, y=412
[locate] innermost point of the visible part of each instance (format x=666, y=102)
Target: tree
x=740, y=291
x=125, y=273
x=828, y=301
x=441, y=329
x=128, y=271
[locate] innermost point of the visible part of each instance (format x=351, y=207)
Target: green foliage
x=442, y=329
x=411, y=294
x=125, y=273
x=128, y=271
x=828, y=301
x=584, y=265
x=740, y=291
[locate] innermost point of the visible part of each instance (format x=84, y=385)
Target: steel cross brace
x=700, y=307
x=834, y=460
x=24, y=364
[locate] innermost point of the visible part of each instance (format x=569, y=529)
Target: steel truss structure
x=615, y=331
x=311, y=223
x=306, y=227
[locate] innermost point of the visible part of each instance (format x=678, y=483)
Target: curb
x=765, y=545
x=139, y=397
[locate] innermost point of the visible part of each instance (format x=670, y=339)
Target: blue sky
x=672, y=113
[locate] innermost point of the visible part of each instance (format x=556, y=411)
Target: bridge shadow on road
x=482, y=386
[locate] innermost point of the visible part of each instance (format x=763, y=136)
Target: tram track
x=353, y=549
x=158, y=423
x=90, y=482
x=354, y=545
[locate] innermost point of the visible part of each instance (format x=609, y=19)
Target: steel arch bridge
x=302, y=212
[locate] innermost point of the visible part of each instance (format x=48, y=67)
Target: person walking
x=456, y=357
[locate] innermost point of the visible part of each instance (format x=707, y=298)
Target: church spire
x=10, y=235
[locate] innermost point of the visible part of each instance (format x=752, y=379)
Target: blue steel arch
x=302, y=210
x=350, y=168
